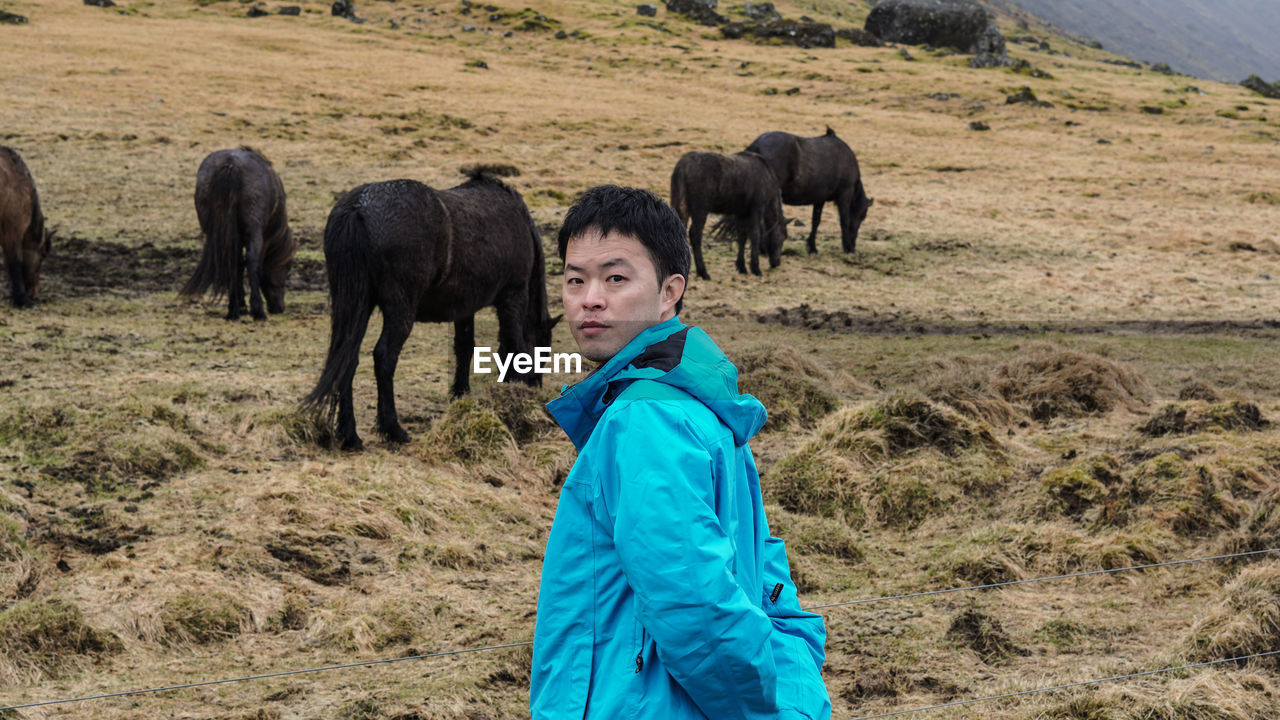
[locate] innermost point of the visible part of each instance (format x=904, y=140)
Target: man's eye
x=616, y=278
x=573, y=281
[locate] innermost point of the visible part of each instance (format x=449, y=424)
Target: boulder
x=258, y=10
x=100, y=3
x=991, y=50
x=647, y=10
x=9, y=18
x=960, y=24
x=704, y=11
x=289, y=10
x=1262, y=87
x=760, y=11
x=343, y=8
x=801, y=34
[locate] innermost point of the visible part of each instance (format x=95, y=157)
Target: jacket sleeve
x=711, y=634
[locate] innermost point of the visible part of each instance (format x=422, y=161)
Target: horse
x=816, y=170
x=743, y=189
x=426, y=255
x=24, y=240
x=241, y=207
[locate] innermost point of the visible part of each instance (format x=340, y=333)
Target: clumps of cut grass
x=1183, y=497
x=1245, y=620
x=522, y=409
x=1051, y=381
x=47, y=637
x=1260, y=530
x=984, y=635
x=899, y=425
x=1081, y=485
x=817, y=481
x=296, y=425
x=796, y=390
x=468, y=433
x=965, y=384
x=129, y=443
x=1192, y=417
x=810, y=535
x=202, y=617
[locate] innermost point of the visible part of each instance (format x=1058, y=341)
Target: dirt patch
x=80, y=267
x=903, y=323
x=324, y=559
x=984, y=635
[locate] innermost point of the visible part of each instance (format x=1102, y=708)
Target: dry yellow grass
x=155, y=475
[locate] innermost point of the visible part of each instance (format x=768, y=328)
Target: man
x=663, y=596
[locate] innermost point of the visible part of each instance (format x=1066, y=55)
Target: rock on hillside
x=960, y=24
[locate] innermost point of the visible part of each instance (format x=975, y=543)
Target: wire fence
x=864, y=601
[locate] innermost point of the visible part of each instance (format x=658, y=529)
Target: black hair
x=639, y=214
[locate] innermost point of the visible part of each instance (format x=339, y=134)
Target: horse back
x=494, y=245
x=244, y=178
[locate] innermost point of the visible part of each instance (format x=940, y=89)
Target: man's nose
x=593, y=298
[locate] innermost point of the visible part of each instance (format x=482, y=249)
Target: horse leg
x=695, y=239
x=464, y=344
x=254, y=262
x=235, y=293
x=813, y=227
x=13, y=261
x=847, y=239
x=740, y=264
x=757, y=236
x=511, y=308
x=397, y=322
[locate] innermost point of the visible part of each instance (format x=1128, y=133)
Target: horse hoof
x=352, y=445
x=396, y=435
x=260, y=317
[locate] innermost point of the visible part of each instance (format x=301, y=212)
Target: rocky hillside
x=1225, y=40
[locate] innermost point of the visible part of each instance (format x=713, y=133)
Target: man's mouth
x=592, y=327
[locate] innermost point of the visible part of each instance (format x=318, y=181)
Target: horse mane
x=480, y=171
x=831, y=132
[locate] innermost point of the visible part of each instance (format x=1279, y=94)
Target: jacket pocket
x=641, y=639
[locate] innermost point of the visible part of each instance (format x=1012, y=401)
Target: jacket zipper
x=640, y=654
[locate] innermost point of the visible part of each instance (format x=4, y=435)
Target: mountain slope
x=1223, y=40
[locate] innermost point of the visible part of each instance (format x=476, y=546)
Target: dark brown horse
x=427, y=255
x=817, y=170
x=743, y=189
x=240, y=204
x=24, y=242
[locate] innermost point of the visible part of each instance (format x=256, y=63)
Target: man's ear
x=671, y=292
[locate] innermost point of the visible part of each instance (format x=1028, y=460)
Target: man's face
x=612, y=293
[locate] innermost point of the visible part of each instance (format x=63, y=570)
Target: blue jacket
x=663, y=596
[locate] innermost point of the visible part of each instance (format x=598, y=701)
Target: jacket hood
x=671, y=353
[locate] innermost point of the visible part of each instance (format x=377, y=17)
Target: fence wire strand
x=864, y=601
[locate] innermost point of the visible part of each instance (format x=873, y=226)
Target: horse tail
x=679, y=193
x=346, y=255
x=219, y=263
x=728, y=228
x=538, y=279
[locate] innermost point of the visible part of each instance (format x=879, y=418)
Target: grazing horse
x=427, y=255
x=240, y=204
x=739, y=186
x=24, y=241
x=813, y=171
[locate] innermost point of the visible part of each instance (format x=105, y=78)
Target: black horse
x=813, y=171
x=24, y=240
x=240, y=204
x=427, y=255
x=743, y=189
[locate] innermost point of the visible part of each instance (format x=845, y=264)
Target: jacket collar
x=580, y=406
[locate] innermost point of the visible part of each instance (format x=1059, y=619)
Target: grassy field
x=1051, y=354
